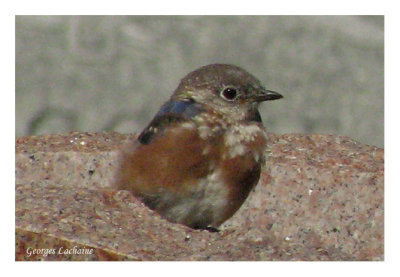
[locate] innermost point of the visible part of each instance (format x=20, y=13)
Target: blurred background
x=102, y=73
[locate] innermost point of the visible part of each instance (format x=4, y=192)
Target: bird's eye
x=229, y=94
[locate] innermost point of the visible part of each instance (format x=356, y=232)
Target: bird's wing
x=171, y=112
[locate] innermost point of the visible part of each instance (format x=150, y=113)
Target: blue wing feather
x=187, y=109
x=171, y=111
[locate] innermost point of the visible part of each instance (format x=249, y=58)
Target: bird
x=200, y=156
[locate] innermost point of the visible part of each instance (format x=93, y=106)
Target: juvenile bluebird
x=202, y=153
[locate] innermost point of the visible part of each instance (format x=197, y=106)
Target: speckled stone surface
x=320, y=197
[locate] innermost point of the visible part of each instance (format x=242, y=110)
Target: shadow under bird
x=201, y=155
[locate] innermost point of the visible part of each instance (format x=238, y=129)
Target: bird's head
x=228, y=89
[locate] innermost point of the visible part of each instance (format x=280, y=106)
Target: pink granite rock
x=320, y=197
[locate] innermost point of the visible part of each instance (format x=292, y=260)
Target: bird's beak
x=267, y=95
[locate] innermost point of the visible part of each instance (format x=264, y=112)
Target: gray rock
x=320, y=197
